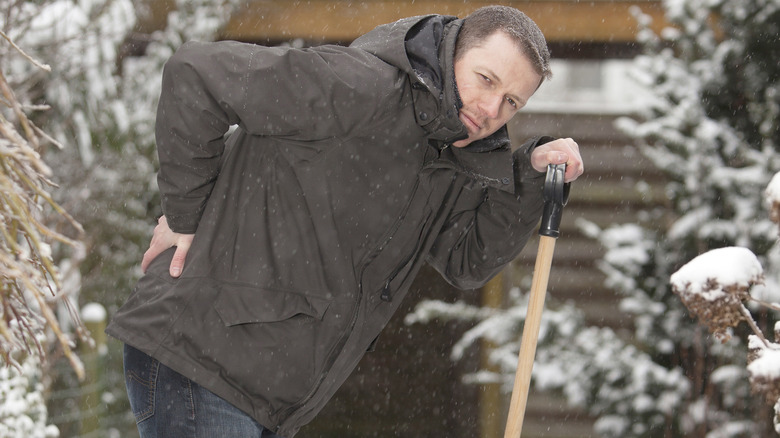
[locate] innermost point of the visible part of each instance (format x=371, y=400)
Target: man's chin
x=462, y=143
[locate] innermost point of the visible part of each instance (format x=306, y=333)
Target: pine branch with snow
x=711, y=128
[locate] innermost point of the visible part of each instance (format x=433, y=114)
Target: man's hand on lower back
x=164, y=238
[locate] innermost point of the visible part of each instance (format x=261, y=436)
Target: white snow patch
x=773, y=190
x=93, y=312
x=767, y=364
x=735, y=266
x=727, y=373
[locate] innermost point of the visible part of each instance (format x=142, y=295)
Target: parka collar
x=492, y=165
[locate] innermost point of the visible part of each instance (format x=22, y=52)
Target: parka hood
x=424, y=48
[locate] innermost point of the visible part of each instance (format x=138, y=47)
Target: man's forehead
x=497, y=47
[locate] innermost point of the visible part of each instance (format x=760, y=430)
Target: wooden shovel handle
x=525, y=363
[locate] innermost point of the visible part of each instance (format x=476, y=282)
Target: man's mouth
x=470, y=123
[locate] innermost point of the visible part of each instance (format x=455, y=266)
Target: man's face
x=494, y=80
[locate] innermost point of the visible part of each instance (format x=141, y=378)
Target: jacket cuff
x=522, y=159
x=183, y=223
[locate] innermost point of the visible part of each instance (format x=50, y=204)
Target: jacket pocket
x=141, y=382
x=273, y=344
x=248, y=305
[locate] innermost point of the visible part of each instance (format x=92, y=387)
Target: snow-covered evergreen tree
x=712, y=128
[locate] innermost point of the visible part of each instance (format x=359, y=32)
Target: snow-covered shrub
x=714, y=286
x=764, y=370
x=595, y=369
x=22, y=408
x=29, y=221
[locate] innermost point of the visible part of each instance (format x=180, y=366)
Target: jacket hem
x=189, y=369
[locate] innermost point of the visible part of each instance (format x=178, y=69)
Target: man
x=285, y=250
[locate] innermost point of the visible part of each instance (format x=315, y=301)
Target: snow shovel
x=556, y=194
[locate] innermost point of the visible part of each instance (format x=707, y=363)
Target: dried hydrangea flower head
x=713, y=286
x=772, y=198
x=763, y=369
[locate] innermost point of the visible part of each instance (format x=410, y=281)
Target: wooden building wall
x=562, y=21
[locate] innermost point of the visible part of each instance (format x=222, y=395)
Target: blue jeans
x=169, y=405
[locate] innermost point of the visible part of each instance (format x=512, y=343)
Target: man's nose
x=491, y=105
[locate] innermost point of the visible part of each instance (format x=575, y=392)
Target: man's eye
x=511, y=102
x=485, y=78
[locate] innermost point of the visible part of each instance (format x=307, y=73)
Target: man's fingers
x=574, y=168
x=162, y=239
x=148, y=257
x=574, y=164
x=177, y=263
x=573, y=172
x=555, y=157
x=559, y=152
x=182, y=247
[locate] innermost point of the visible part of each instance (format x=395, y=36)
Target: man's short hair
x=485, y=21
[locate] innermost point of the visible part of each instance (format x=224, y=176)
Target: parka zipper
x=386, y=294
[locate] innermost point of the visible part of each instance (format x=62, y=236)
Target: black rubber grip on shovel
x=556, y=195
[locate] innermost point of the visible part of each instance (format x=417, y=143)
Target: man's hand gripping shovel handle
x=556, y=194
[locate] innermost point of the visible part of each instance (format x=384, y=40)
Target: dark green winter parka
x=313, y=218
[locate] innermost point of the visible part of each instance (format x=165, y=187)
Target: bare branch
x=44, y=67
